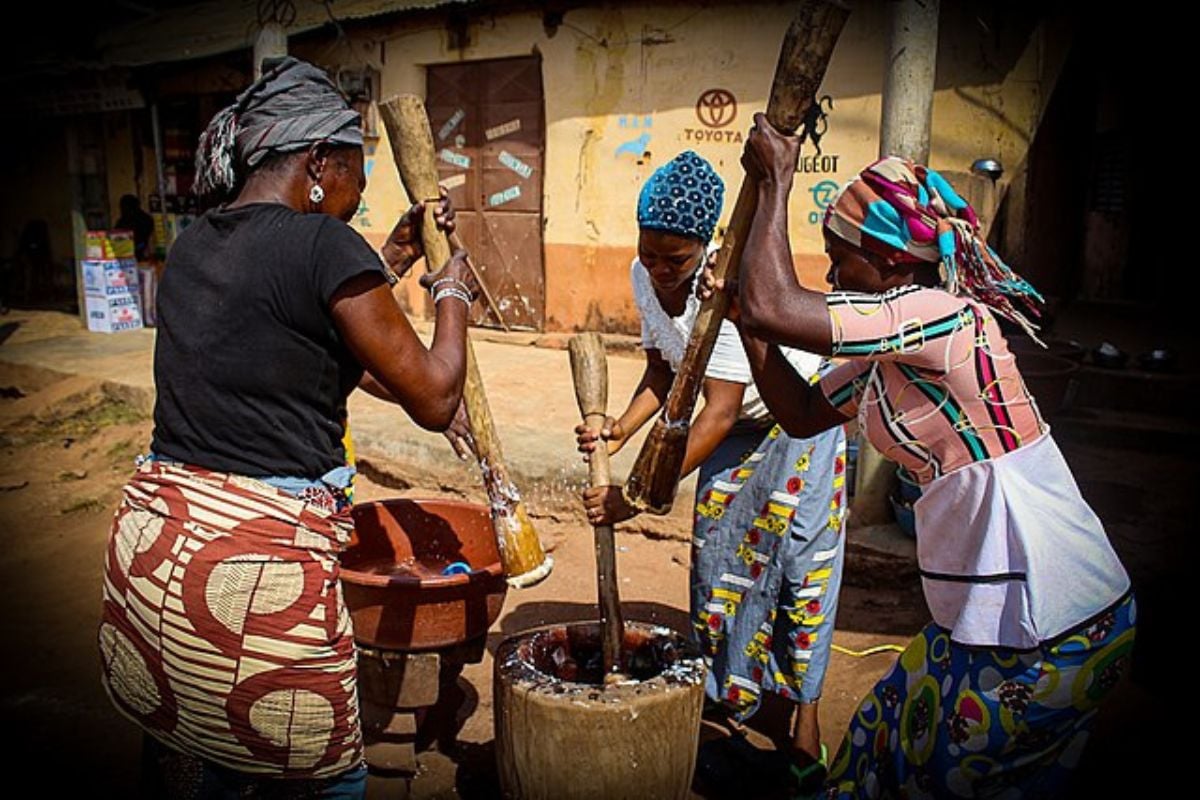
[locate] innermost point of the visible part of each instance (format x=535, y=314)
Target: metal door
x=489, y=132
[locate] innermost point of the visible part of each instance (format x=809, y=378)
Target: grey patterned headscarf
x=291, y=107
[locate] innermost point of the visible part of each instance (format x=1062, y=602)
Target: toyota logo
x=716, y=108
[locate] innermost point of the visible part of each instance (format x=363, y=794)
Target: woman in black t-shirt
x=224, y=634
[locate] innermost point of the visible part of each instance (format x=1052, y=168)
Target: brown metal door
x=489, y=133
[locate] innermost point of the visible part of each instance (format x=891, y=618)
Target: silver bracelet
x=455, y=282
x=388, y=273
x=451, y=291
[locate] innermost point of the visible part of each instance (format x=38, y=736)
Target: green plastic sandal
x=807, y=782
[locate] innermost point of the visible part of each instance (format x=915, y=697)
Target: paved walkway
x=528, y=380
x=530, y=391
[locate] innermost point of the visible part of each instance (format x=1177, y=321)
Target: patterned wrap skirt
x=767, y=567
x=224, y=632
x=955, y=721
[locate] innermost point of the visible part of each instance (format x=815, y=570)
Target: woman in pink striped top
x=1033, y=619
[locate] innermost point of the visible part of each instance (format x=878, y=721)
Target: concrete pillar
x=908, y=81
x=908, y=84
x=874, y=480
x=271, y=42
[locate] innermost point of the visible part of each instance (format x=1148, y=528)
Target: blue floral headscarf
x=682, y=197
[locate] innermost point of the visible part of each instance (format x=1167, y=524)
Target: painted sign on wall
x=822, y=195
x=450, y=124
x=515, y=164
x=716, y=110
x=503, y=129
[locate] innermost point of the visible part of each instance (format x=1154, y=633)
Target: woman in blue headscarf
x=767, y=543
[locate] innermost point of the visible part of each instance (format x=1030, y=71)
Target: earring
x=316, y=194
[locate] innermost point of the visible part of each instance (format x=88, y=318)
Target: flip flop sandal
x=808, y=781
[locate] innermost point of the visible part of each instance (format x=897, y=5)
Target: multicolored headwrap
x=682, y=197
x=291, y=107
x=908, y=212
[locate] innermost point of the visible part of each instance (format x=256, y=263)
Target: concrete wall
x=40, y=189
x=622, y=86
x=620, y=82
x=119, y=161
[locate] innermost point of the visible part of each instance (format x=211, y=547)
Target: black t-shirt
x=251, y=374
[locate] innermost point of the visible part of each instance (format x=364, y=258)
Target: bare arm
x=427, y=383
x=799, y=407
x=647, y=399
x=376, y=389
x=605, y=505
x=774, y=306
x=722, y=404
x=459, y=433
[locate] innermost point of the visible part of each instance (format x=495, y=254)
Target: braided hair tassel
x=215, y=174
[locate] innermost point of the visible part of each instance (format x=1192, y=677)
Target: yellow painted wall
x=612, y=75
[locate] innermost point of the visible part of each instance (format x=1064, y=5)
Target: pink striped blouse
x=930, y=377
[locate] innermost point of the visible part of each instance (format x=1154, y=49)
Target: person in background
x=134, y=219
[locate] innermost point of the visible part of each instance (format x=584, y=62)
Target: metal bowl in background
x=1109, y=356
x=988, y=168
x=1158, y=360
x=903, y=498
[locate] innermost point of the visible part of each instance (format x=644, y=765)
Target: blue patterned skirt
x=767, y=566
x=956, y=721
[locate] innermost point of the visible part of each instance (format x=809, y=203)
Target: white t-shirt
x=669, y=335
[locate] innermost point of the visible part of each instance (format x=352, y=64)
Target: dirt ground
x=68, y=447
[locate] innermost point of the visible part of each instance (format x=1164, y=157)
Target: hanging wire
x=341, y=33
x=280, y=12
